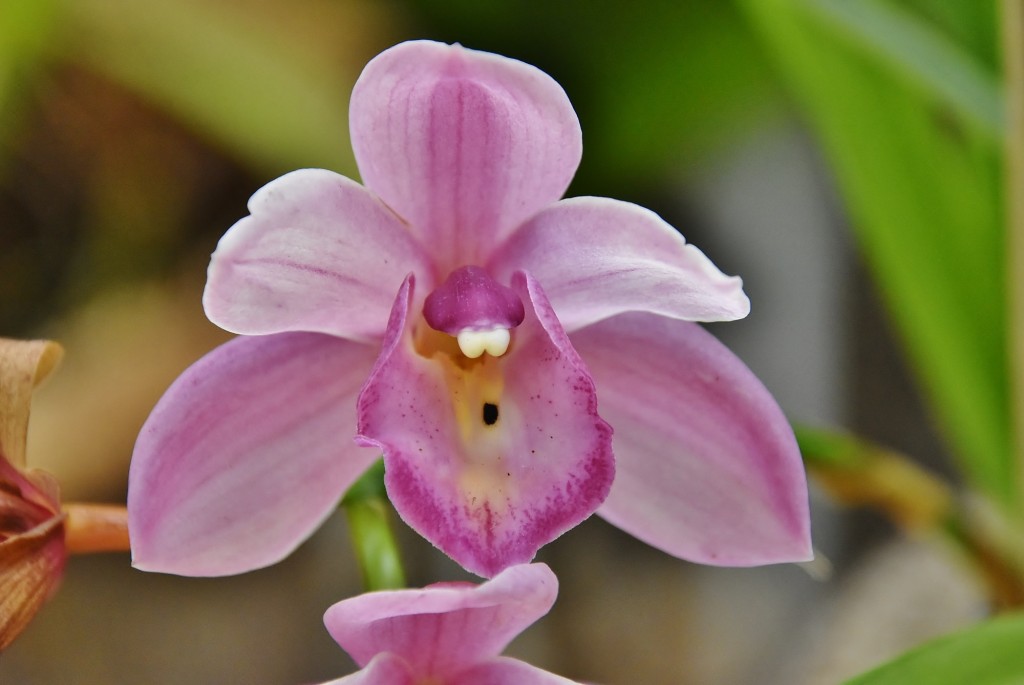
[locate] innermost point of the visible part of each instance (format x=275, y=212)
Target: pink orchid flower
x=515, y=313
x=445, y=634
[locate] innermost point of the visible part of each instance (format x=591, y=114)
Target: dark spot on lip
x=490, y=413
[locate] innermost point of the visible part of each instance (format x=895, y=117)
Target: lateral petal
x=465, y=145
x=599, y=257
x=442, y=629
x=317, y=253
x=493, y=458
x=246, y=454
x=707, y=466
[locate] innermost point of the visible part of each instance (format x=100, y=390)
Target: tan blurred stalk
x=95, y=528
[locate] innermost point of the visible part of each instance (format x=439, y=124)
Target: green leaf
x=860, y=473
x=971, y=25
x=26, y=28
x=272, y=89
x=987, y=654
x=910, y=122
x=656, y=90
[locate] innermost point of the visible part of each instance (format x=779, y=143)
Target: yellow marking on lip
x=484, y=473
x=469, y=390
x=481, y=468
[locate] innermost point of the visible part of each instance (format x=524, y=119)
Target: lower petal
x=246, y=454
x=494, y=458
x=444, y=628
x=707, y=466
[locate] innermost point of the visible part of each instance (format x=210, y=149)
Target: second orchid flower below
x=446, y=633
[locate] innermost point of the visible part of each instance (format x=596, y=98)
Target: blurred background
x=843, y=158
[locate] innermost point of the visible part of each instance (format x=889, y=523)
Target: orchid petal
x=507, y=671
x=443, y=629
x=318, y=253
x=599, y=257
x=246, y=454
x=464, y=145
x=707, y=466
x=488, y=489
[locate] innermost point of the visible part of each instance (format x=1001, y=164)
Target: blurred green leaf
x=681, y=85
x=987, y=654
x=911, y=124
x=971, y=25
x=856, y=472
x=656, y=88
x=26, y=27
x=274, y=93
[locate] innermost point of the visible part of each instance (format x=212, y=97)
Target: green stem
x=369, y=515
x=856, y=472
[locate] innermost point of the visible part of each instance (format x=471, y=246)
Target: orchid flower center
x=476, y=310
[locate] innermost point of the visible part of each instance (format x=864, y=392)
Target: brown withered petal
x=23, y=365
x=27, y=499
x=31, y=566
x=32, y=547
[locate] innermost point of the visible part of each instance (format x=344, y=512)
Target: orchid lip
x=488, y=458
